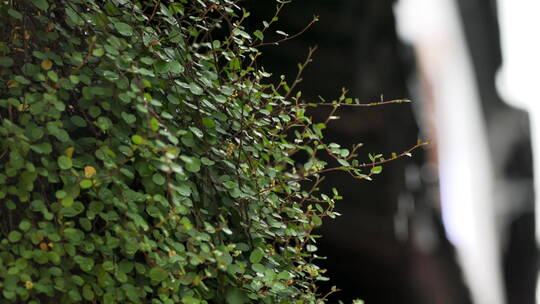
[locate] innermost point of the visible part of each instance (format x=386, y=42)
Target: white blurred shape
x=518, y=79
x=465, y=172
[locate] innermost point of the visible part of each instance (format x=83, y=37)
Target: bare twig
x=153, y=12
x=315, y=19
x=374, y=164
x=371, y=104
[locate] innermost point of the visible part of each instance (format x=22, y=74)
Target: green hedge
x=145, y=158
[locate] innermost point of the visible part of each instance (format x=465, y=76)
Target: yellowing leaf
x=43, y=246
x=69, y=152
x=46, y=64
x=12, y=84
x=28, y=285
x=23, y=107
x=89, y=171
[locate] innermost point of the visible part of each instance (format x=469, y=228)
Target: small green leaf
x=192, y=164
x=43, y=148
x=21, y=79
x=67, y=201
x=24, y=225
x=259, y=35
x=207, y=162
x=197, y=132
x=77, y=280
x=123, y=28
x=208, y=123
x=284, y=275
x=14, y=236
x=96, y=206
x=60, y=194
x=175, y=67
x=6, y=62
x=64, y=162
x=235, y=64
x=104, y=123
x=41, y=4
x=110, y=75
x=86, y=183
x=376, y=169
x=75, y=236
x=98, y=52
x=74, y=295
x=15, y=14
x=343, y=162
x=85, y=223
x=137, y=139
x=230, y=185
x=256, y=256
x=157, y=274
x=55, y=271
x=86, y=264
x=184, y=189
x=236, y=296
x=60, y=134
x=78, y=121
x=190, y=300
x=129, y=118
x=88, y=293
x=154, y=124
x=74, y=79
x=195, y=89
x=258, y=268
x=52, y=76
x=311, y=248
x=108, y=265
x=158, y=179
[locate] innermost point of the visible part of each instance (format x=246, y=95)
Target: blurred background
x=456, y=222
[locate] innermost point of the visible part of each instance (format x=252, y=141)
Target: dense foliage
x=144, y=158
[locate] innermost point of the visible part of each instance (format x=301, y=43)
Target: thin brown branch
x=315, y=19
x=347, y=168
x=153, y=12
x=374, y=164
x=298, y=78
x=85, y=60
x=343, y=104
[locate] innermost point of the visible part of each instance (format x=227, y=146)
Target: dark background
x=358, y=49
